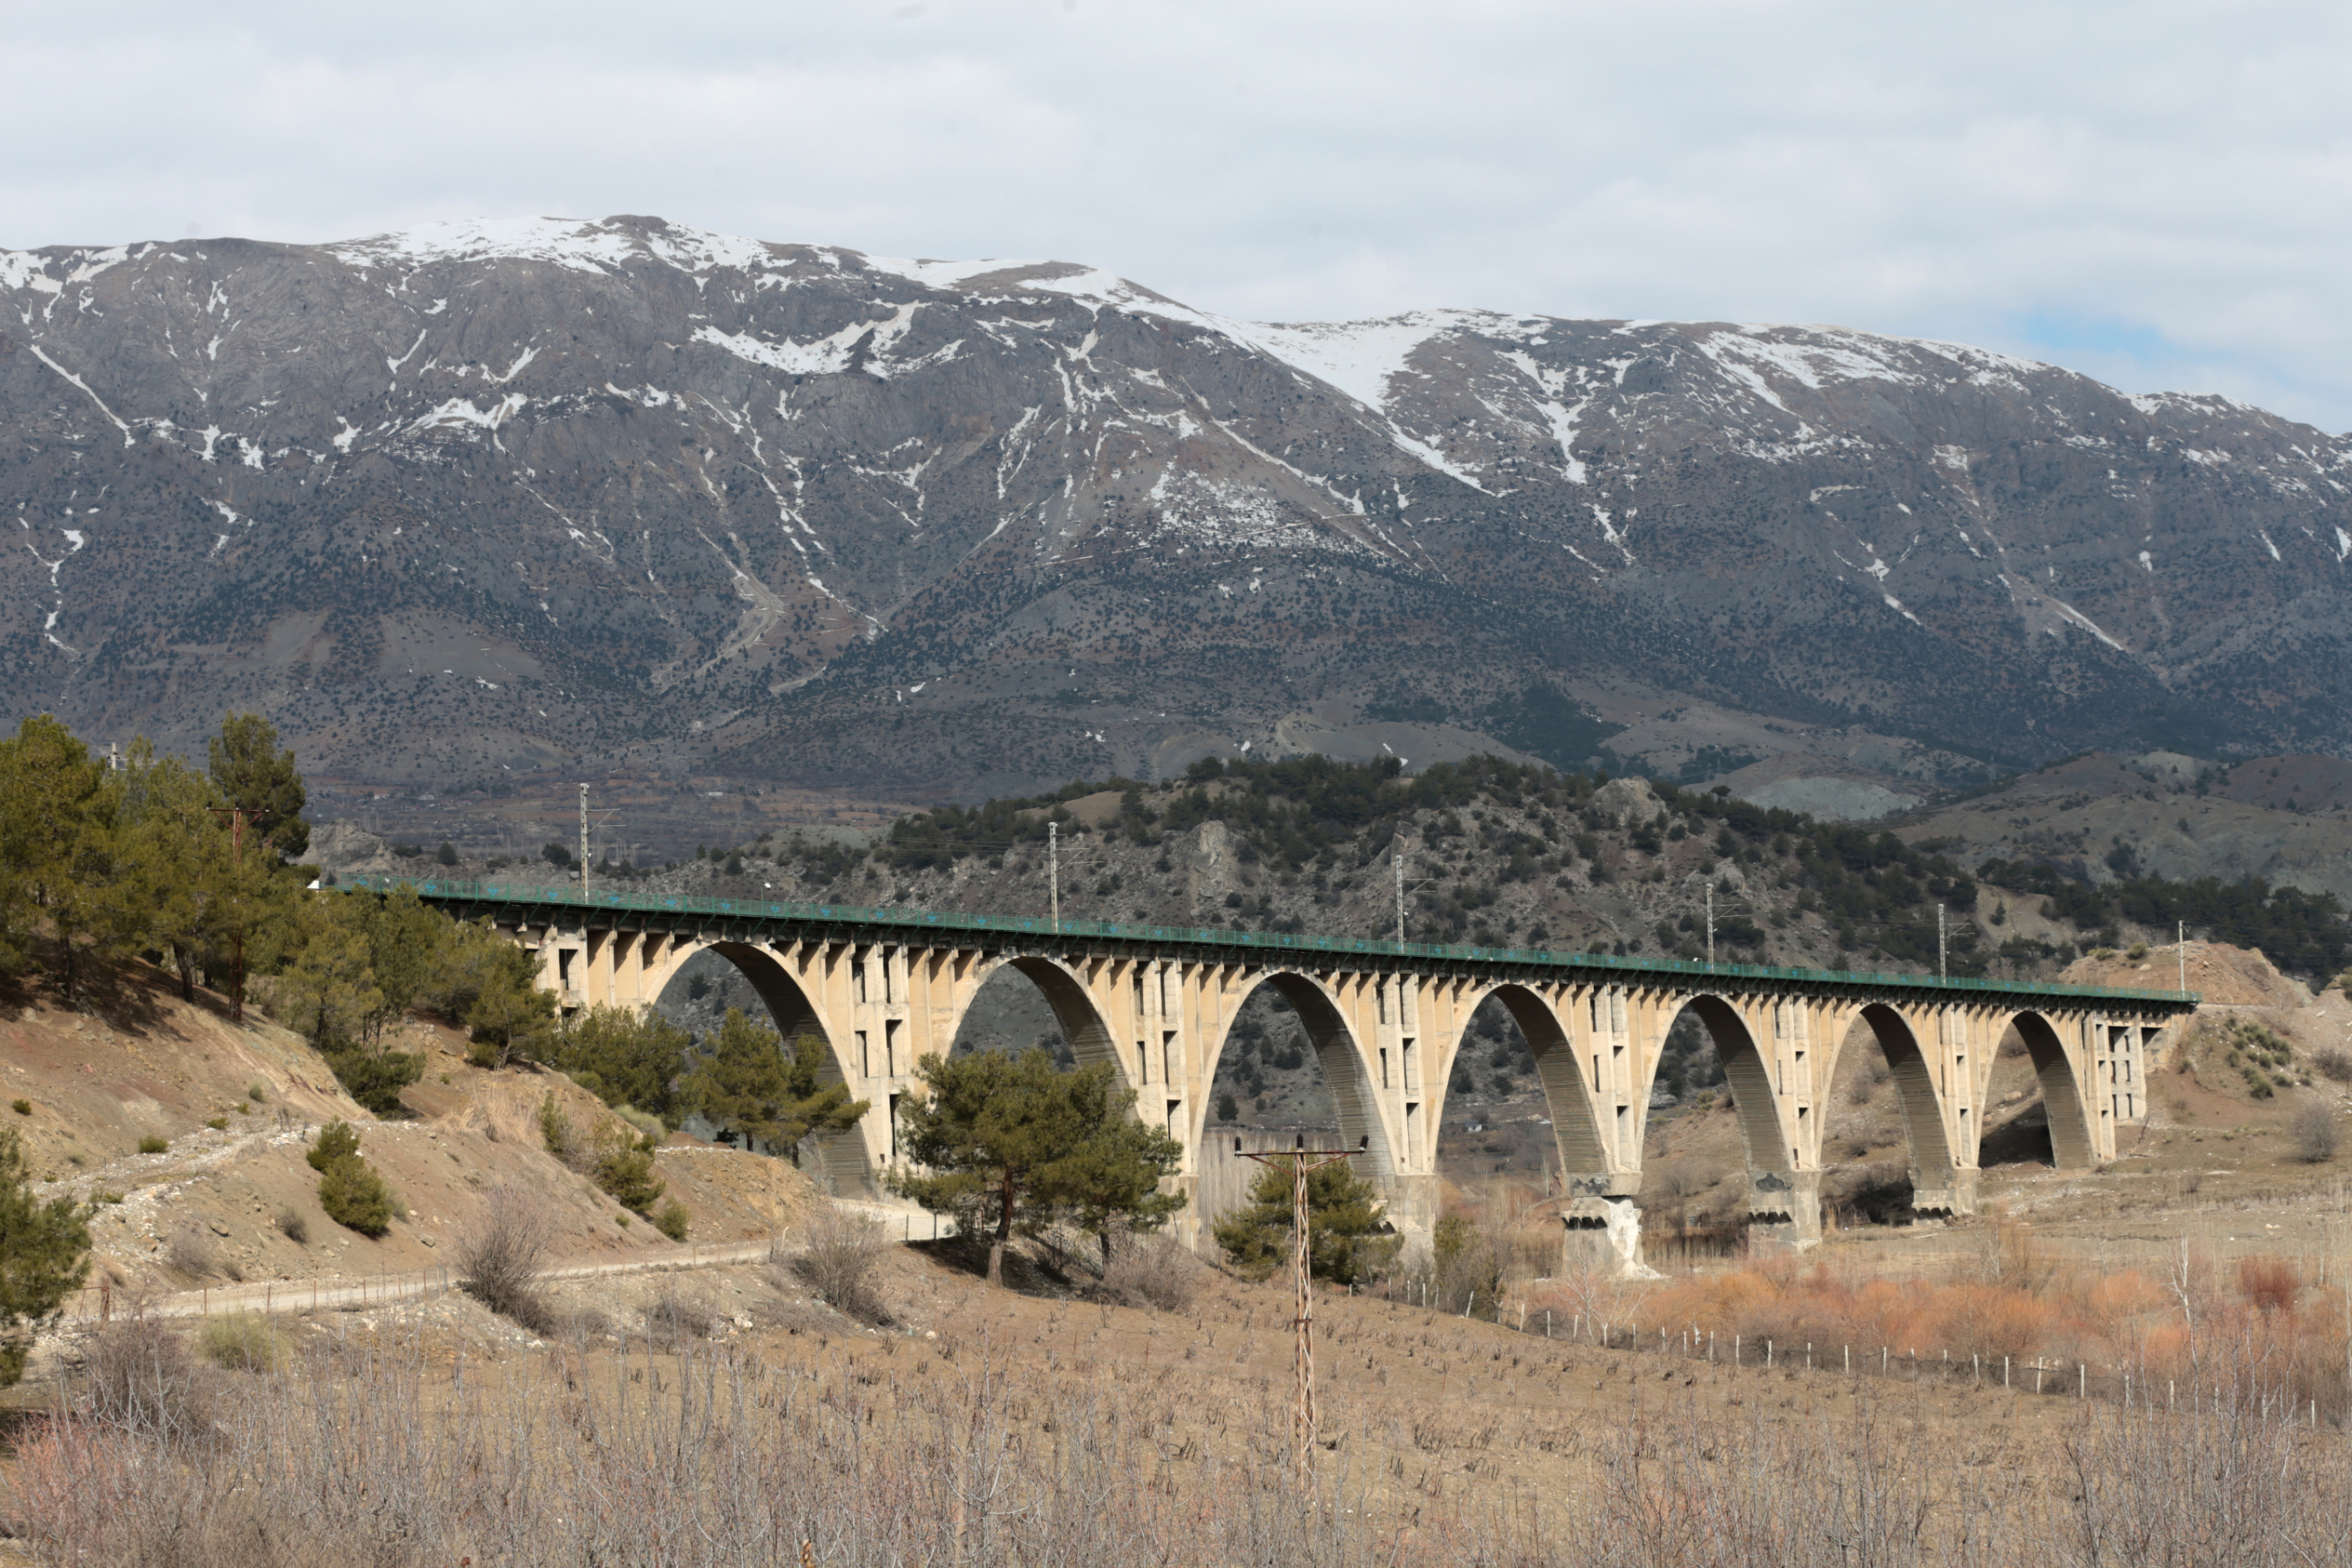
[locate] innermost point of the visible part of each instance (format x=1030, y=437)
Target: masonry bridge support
x=885, y=987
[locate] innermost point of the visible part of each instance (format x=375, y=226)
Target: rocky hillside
x=469, y=504
x=228, y=1196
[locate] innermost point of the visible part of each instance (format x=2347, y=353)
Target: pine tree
x=748, y=1086
x=405, y=938
x=487, y=982
x=624, y=1055
x=44, y=1257
x=986, y=1136
x=1010, y=1143
x=1348, y=1235
x=62, y=853
x=262, y=781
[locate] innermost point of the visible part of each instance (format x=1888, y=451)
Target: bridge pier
x=1944, y=1194
x=1600, y=1228
x=1783, y=1211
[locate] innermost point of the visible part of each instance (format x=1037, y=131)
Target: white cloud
x=2152, y=192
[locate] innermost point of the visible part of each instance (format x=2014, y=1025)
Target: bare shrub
x=840, y=1255
x=294, y=1226
x=241, y=1342
x=1151, y=1270
x=2315, y=1130
x=500, y=1255
x=190, y=1252
x=140, y=1379
x=672, y=1317
x=2333, y=1062
x=2269, y=1285
x=580, y=1325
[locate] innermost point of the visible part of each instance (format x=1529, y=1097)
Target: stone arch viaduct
x=883, y=987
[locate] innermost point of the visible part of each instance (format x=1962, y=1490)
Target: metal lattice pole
x=1303, y=1426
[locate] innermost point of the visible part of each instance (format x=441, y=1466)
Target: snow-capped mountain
x=485, y=498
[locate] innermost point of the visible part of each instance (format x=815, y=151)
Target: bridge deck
x=1212, y=942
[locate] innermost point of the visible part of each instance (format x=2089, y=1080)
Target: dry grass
x=674, y=1316
x=2192, y=1325
x=138, y=1379
x=190, y=1252
x=960, y=1454
x=1151, y=1270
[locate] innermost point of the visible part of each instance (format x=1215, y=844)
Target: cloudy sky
x=2157, y=193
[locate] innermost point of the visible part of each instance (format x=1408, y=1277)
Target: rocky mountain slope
x=479, y=501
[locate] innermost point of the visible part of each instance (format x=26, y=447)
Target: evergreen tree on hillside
x=44, y=1257
x=624, y=1055
x=261, y=781
x=748, y=1086
x=64, y=861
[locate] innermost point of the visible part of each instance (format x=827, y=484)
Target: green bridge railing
x=456, y=891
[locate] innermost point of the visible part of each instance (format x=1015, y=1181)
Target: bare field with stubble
x=725, y=1417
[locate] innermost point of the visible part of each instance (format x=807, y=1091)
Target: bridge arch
x=1934, y=1156
x=1075, y=1012
x=1347, y=1068
x=2062, y=1101
x=847, y=1162
x=1769, y=1145
x=1568, y=1096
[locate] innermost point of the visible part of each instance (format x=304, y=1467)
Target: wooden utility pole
x=1302, y=1160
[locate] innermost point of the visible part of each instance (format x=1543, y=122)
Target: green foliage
x=556, y=1131
x=336, y=1141
x=672, y=1220
x=1009, y=1144
x=485, y=981
x=375, y=1078
x=327, y=991
x=66, y=863
x=354, y=1194
x=748, y=1087
x=22, y=1108
x=624, y=1055
x=152, y=1145
x=2305, y=934
x=1468, y=1268
x=1347, y=1226
x=44, y=1257
x=241, y=1342
x=253, y=776
x=623, y=1166
x=405, y=938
